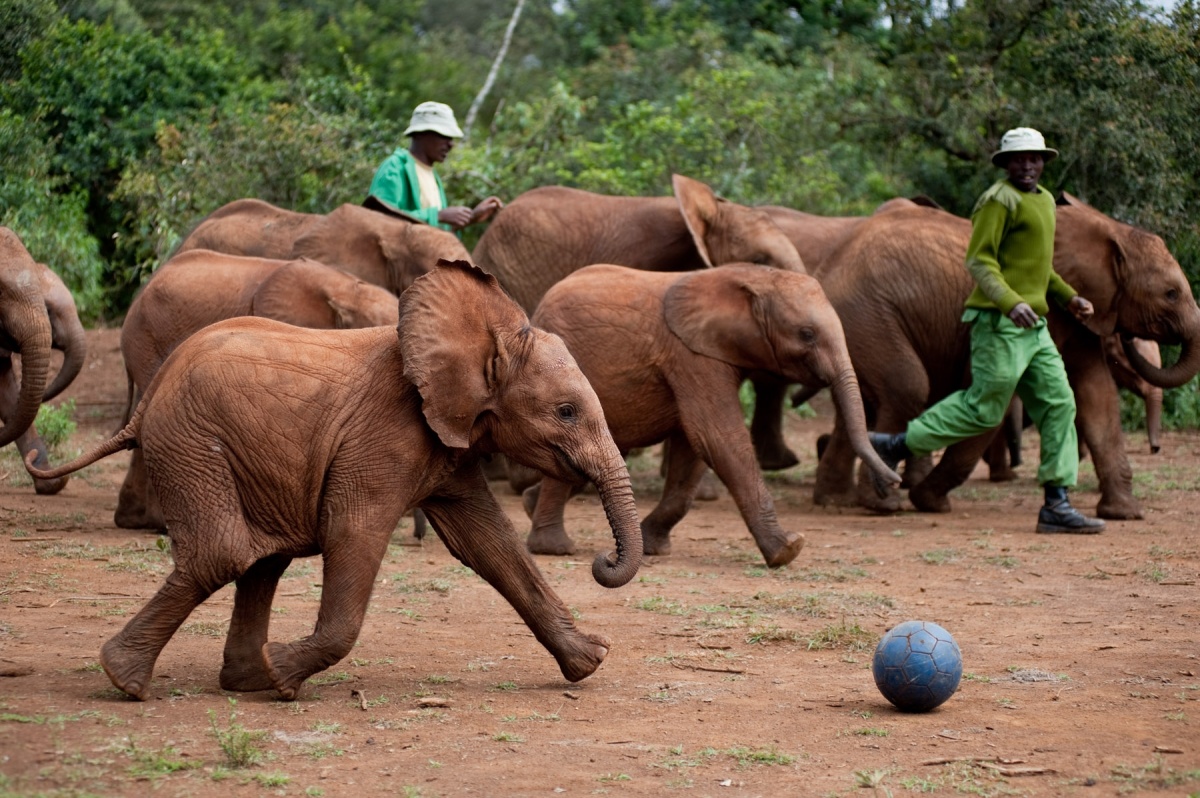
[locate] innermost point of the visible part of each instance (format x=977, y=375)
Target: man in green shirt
x=407, y=183
x=1010, y=257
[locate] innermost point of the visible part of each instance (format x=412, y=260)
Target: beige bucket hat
x=436, y=118
x=1023, y=139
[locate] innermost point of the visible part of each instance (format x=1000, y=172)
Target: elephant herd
x=284, y=403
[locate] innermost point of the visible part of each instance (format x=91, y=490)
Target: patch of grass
x=939, y=556
x=872, y=732
x=206, y=628
x=435, y=678
x=334, y=677
x=1154, y=775
x=504, y=687
x=239, y=744
x=611, y=777
x=1003, y=561
x=760, y=756
x=848, y=636
x=275, y=779
x=149, y=764
x=661, y=605
x=507, y=737
x=321, y=750
x=773, y=634
x=56, y=425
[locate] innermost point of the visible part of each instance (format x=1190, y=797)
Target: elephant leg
x=766, y=427
x=709, y=488
x=477, y=532
x=684, y=471
x=548, y=501
x=715, y=431
x=418, y=524
x=243, y=669
x=931, y=495
x=1098, y=418
x=997, y=458
x=350, y=564
x=30, y=441
x=137, y=502
x=835, y=470
x=128, y=658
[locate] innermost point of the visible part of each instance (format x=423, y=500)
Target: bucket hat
x=1022, y=139
x=434, y=117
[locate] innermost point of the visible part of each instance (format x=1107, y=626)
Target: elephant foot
x=129, y=672
x=284, y=675
x=829, y=498
x=780, y=551
x=49, y=487
x=1002, y=475
x=775, y=456
x=1119, y=508
x=550, y=540
x=885, y=505
x=929, y=501
x=583, y=656
x=245, y=677
x=655, y=542
x=708, y=490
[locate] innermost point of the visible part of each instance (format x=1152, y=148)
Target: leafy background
x=124, y=122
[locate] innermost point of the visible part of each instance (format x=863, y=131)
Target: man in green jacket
x=406, y=181
x=1010, y=257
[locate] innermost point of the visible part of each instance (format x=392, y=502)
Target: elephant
x=899, y=285
x=547, y=233
x=1004, y=452
x=666, y=353
x=200, y=287
x=381, y=248
x=37, y=314
x=268, y=442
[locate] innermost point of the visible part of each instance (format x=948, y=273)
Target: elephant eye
x=1173, y=294
x=807, y=335
x=566, y=412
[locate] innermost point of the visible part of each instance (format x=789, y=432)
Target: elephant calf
x=666, y=354
x=197, y=288
x=268, y=442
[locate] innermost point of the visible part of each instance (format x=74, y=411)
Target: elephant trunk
x=71, y=339
x=614, y=569
x=1184, y=369
x=28, y=325
x=848, y=398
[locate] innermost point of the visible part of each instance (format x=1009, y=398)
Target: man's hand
x=457, y=216
x=1023, y=316
x=484, y=210
x=1080, y=308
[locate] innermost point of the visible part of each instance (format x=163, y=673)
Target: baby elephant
x=666, y=354
x=268, y=442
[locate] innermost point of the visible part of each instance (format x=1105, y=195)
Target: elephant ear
x=454, y=322
x=723, y=314
x=699, y=205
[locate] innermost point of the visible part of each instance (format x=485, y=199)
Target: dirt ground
x=724, y=679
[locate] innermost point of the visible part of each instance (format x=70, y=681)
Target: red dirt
x=1080, y=654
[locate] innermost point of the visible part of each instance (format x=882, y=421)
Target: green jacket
x=395, y=185
x=1011, y=254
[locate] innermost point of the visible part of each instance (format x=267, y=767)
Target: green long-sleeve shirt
x=396, y=185
x=1011, y=253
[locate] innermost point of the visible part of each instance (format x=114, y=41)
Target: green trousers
x=1007, y=359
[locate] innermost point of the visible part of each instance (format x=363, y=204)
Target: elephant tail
x=125, y=438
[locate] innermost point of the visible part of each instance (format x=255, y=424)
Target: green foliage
x=21, y=21
x=240, y=745
x=56, y=424
x=48, y=216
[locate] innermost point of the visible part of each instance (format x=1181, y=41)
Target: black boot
x=891, y=448
x=1057, y=516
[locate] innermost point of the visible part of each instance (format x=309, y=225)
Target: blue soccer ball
x=917, y=666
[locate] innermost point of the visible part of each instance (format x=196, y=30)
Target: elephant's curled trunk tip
x=609, y=571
